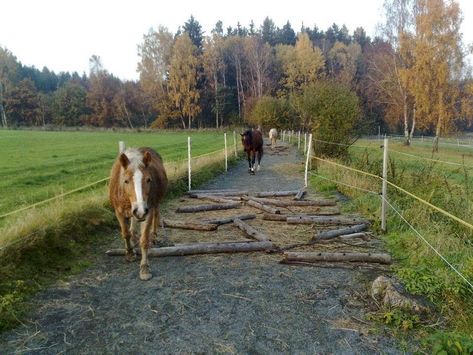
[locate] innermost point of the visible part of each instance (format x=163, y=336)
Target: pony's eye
x=126, y=181
x=148, y=180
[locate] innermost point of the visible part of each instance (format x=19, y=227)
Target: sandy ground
x=235, y=303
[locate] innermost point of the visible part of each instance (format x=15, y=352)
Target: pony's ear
x=124, y=160
x=146, y=158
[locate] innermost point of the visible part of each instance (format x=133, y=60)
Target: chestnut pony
x=252, y=141
x=138, y=183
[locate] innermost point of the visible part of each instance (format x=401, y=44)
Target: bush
x=270, y=112
x=332, y=112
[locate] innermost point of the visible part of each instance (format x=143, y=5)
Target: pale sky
x=63, y=34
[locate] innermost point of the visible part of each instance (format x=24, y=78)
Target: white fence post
x=226, y=155
x=234, y=144
x=305, y=142
x=121, y=147
x=189, y=162
x=283, y=135
x=307, y=161
x=385, y=186
x=299, y=141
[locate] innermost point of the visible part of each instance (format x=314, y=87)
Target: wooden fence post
x=385, y=186
x=121, y=147
x=189, y=162
x=307, y=161
x=226, y=153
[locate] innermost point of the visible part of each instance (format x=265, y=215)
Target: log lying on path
x=213, y=198
x=339, y=232
x=300, y=194
x=344, y=237
x=211, y=191
x=223, y=193
x=380, y=258
x=201, y=248
x=226, y=220
x=283, y=217
x=200, y=208
x=276, y=193
x=253, y=233
x=280, y=203
x=262, y=207
x=326, y=220
x=190, y=225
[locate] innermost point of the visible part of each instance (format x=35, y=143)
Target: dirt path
x=245, y=303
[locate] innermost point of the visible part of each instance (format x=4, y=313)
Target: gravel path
x=238, y=303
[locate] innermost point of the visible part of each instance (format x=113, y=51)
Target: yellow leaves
x=302, y=64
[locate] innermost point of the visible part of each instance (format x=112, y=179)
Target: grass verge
x=417, y=265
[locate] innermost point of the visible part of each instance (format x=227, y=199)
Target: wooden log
x=201, y=248
x=220, y=221
x=223, y=193
x=211, y=191
x=341, y=238
x=300, y=194
x=263, y=207
x=283, y=218
x=214, y=198
x=252, y=232
x=381, y=258
x=338, y=232
x=189, y=225
x=280, y=203
x=200, y=208
x=326, y=220
x=276, y=193
x=275, y=217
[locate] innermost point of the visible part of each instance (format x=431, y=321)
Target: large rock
x=391, y=294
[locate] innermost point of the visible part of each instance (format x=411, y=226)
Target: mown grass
x=41, y=245
x=37, y=165
x=421, y=270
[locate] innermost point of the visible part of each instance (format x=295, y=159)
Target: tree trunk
x=411, y=134
x=200, y=208
x=406, y=121
x=201, y=248
x=189, y=225
x=253, y=233
x=216, y=99
x=337, y=257
x=338, y=232
x=226, y=220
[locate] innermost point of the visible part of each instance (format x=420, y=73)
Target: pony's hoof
x=145, y=273
x=257, y=168
x=130, y=256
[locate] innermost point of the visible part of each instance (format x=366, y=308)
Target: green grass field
x=37, y=165
x=422, y=271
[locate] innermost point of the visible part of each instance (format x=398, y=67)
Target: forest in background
x=410, y=78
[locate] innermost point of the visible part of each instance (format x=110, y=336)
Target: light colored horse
x=138, y=183
x=273, y=135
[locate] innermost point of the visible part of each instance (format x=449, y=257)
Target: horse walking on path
x=252, y=141
x=273, y=135
x=138, y=182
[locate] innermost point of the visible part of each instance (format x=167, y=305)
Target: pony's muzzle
x=140, y=213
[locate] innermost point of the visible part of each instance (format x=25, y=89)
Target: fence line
x=345, y=184
x=345, y=144
x=88, y=185
x=430, y=245
x=430, y=159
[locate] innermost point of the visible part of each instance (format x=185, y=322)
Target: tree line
x=412, y=77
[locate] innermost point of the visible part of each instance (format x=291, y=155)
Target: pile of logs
x=324, y=212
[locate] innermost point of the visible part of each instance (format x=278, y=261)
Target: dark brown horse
x=138, y=183
x=252, y=141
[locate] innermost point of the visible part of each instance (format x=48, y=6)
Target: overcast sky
x=62, y=35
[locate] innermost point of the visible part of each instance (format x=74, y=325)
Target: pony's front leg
x=126, y=235
x=145, y=273
x=155, y=225
x=253, y=159
x=260, y=154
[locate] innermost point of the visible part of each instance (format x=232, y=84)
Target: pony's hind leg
x=260, y=154
x=126, y=235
